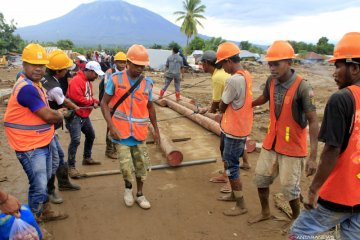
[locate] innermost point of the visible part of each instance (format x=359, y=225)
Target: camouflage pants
x=133, y=159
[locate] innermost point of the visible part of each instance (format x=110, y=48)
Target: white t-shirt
x=56, y=95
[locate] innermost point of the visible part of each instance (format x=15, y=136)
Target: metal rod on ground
x=154, y=167
x=173, y=155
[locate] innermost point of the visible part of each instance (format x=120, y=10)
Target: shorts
x=133, y=159
x=271, y=164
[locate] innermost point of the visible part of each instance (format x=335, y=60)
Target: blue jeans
x=76, y=126
x=37, y=164
x=231, y=151
x=310, y=223
x=57, y=154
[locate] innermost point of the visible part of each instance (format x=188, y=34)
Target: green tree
x=8, y=41
x=245, y=45
x=156, y=46
x=213, y=43
x=324, y=47
x=65, y=44
x=173, y=44
x=193, y=10
x=196, y=44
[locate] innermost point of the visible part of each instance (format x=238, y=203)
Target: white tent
x=158, y=58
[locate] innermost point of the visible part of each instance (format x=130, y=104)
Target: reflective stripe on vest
x=289, y=136
x=27, y=127
x=346, y=174
x=25, y=130
x=238, y=122
x=132, y=116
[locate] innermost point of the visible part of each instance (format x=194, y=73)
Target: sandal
x=219, y=179
x=226, y=188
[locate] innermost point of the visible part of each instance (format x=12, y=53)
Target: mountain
x=106, y=22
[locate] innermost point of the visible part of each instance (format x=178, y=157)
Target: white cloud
x=259, y=21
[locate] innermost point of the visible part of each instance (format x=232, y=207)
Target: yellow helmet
x=34, y=54
x=58, y=60
x=120, y=56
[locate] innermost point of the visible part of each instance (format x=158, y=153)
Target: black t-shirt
x=336, y=130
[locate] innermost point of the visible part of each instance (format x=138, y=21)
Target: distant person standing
x=285, y=148
x=29, y=127
x=174, y=70
x=334, y=195
x=80, y=91
x=129, y=123
x=120, y=65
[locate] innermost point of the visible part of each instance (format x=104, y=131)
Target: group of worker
x=127, y=106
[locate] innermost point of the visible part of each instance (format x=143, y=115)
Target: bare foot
x=259, y=218
x=235, y=211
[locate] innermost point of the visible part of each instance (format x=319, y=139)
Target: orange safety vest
x=24, y=129
x=131, y=117
x=346, y=174
x=238, y=122
x=289, y=136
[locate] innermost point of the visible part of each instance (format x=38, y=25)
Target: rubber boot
x=239, y=208
x=110, y=150
x=54, y=197
x=177, y=94
x=161, y=93
x=64, y=183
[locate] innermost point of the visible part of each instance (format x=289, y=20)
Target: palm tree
x=190, y=16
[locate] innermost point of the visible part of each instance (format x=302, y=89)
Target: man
x=29, y=126
x=174, y=71
x=236, y=122
x=120, y=65
x=218, y=80
x=334, y=196
x=291, y=101
x=129, y=124
x=57, y=68
x=9, y=204
x=80, y=92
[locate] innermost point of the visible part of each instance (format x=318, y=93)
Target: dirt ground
x=184, y=204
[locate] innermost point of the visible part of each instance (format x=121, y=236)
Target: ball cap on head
x=209, y=56
x=82, y=58
x=95, y=66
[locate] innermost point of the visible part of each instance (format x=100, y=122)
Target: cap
x=209, y=56
x=95, y=66
x=82, y=58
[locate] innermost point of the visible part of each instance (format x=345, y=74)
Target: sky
x=256, y=21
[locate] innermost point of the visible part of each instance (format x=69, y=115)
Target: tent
x=158, y=58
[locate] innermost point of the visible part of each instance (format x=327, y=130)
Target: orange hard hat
x=34, y=54
x=226, y=50
x=280, y=50
x=58, y=60
x=137, y=54
x=120, y=56
x=348, y=47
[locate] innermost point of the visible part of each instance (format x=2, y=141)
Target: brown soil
x=184, y=204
